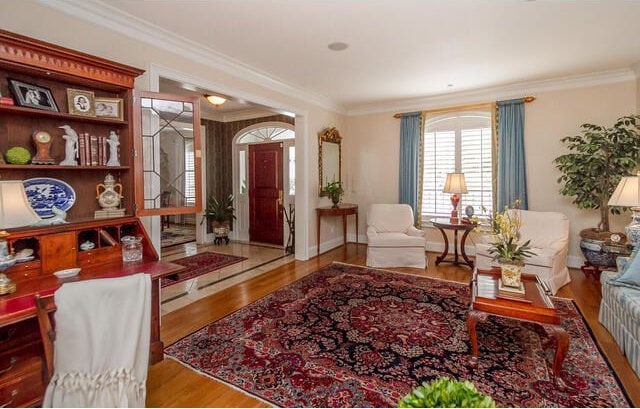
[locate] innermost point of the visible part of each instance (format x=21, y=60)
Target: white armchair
x=393, y=241
x=549, y=236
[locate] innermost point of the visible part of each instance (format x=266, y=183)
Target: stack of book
x=512, y=293
x=92, y=150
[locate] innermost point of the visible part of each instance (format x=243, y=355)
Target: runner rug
x=348, y=336
x=198, y=265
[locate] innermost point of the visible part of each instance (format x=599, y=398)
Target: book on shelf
x=82, y=156
x=94, y=150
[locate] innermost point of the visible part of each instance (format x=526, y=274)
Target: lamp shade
x=455, y=183
x=627, y=193
x=15, y=210
x=215, y=100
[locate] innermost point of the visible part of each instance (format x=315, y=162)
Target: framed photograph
x=32, y=96
x=109, y=108
x=81, y=102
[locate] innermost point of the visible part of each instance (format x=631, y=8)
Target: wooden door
x=58, y=251
x=265, y=193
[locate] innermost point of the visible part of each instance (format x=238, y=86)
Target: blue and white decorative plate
x=45, y=193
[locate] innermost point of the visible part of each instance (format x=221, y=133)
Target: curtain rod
x=526, y=99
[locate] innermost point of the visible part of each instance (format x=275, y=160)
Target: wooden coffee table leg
x=562, y=340
x=472, y=320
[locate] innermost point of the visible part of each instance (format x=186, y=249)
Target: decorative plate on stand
x=46, y=193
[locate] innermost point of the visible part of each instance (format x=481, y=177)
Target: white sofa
x=549, y=235
x=393, y=241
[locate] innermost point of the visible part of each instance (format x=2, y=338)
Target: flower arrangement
x=446, y=393
x=335, y=191
x=505, y=228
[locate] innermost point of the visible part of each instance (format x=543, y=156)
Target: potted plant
x=598, y=158
x=506, y=248
x=446, y=393
x=335, y=191
x=220, y=214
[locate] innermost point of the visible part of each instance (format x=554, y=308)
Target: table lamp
x=627, y=194
x=15, y=211
x=455, y=184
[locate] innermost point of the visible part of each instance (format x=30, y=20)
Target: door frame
x=305, y=153
x=241, y=224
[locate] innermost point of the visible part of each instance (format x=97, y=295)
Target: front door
x=265, y=193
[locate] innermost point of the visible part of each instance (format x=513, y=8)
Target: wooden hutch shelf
x=60, y=246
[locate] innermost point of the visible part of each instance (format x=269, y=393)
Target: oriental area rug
x=349, y=336
x=198, y=265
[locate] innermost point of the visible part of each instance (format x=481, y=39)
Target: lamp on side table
x=455, y=184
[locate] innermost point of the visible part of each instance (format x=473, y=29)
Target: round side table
x=456, y=225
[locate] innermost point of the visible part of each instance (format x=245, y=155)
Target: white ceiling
x=405, y=49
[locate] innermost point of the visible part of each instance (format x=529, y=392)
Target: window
x=459, y=141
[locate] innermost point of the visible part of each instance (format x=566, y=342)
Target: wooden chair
x=45, y=306
x=101, y=351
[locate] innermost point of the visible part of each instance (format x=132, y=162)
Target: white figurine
x=71, y=146
x=113, y=149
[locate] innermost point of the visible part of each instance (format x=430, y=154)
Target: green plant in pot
x=334, y=191
x=220, y=214
x=446, y=393
x=598, y=158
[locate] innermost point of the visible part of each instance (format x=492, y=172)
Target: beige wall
x=370, y=150
x=374, y=144
x=31, y=19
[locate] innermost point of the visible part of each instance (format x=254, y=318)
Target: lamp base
x=455, y=199
x=632, y=230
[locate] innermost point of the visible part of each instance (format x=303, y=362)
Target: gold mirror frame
x=329, y=141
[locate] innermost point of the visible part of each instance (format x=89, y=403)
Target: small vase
x=335, y=200
x=511, y=274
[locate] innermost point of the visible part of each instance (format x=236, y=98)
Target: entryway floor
x=260, y=259
x=177, y=234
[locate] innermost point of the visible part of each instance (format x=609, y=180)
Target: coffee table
x=534, y=306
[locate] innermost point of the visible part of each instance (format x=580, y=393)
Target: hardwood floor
x=170, y=384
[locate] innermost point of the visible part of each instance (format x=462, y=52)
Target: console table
x=344, y=210
x=453, y=224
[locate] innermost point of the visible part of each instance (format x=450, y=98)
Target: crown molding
x=516, y=90
x=99, y=12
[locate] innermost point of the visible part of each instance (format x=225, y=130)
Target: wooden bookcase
x=57, y=247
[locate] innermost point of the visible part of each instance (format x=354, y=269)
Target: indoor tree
x=599, y=157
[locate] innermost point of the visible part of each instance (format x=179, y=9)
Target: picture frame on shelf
x=109, y=108
x=81, y=102
x=32, y=96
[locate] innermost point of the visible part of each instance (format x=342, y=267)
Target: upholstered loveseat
x=549, y=236
x=620, y=311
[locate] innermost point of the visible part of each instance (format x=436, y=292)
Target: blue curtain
x=512, y=180
x=409, y=158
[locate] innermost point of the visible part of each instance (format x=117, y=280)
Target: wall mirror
x=330, y=157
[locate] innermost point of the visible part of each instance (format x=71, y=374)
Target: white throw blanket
x=101, y=351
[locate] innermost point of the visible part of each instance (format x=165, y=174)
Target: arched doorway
x=272, y=144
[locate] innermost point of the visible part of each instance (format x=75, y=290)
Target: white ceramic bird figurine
x=71, y=147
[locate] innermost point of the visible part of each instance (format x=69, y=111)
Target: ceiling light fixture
x=215, y=100
x=338, y=46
